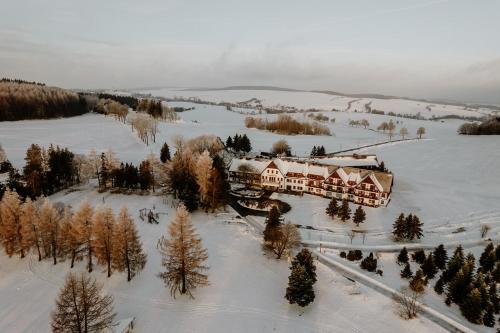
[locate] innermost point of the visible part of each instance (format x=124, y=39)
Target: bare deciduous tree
x=81, y=307
x=289, y=238
x=407, y=301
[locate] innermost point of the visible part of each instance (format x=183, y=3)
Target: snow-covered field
x=449, y=181
x=322, y=101
x=246, y=291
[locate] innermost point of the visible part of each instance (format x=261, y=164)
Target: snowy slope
x=246, y=291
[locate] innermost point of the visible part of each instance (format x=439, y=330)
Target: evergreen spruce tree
x=314, y=151
x=418, y=256
x=439, y=286
x=460, y=285
x=495, y=301
x=440, y=257
x=359, y=216
x=399, y=227
x=300, y=289
x=413, y=227
x=332, y=208
x=272, y=232
x=406, y=272
x=487, y=259
x=321, y=151
x=454, y=264
x=403, y=256
x=127, y=247
x=245, y=144
x=165, y=153
x=417, y=283
x=229, y=143
x=471, y=307
x=183, y=256
x=305, y=258
x=345, y=211
x=429, y=267
x=489, y=317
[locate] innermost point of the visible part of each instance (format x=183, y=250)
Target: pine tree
x=406, y=272
x=165, y=153
x=399, y=228
x=11, y=227
x=300, y=289
x=305, y=258
x=440, y=257
x=417, y=284
x=460, y=285
x=359, y=216
x=471, y=307
x=429, y=267
x=229, y=143
x=369, y=263
x=439, y=286
x=418, y=256
x=219, y=185
x=413, y=227
x=82, y=219
x=183, y=256
x=345, y=211
x=127, y=247
x=314, y=151
x=103, y=223
x=321, y=151
x=245, y=144
x=489, y=317
x=51, y=231
x=454, y=264
x=30, y=224
x=81, y=306
x=487, y=259
x=272, y=230
x=403, y=256
x=332, y=208
x=495, y=301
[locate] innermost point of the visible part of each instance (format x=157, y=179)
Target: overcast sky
x=417, y=48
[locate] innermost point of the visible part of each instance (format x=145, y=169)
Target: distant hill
x=361, y=95
x=31, y=100
x=244, y=88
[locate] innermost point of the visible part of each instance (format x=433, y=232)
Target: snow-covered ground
x=391, y=277
x=322, y=101
x=246, y=291
x=449, y=181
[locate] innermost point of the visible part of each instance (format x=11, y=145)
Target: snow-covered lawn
x=391, y=277
x=246, y=291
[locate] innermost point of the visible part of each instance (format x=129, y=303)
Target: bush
x=286, y=124
x=343, y=254
x=369, y=263
x=354, y=255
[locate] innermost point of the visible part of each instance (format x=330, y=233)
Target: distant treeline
x=286, y=124
x=21, y=81
x=488, y=127
x=127, y=100
x=27, y=100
